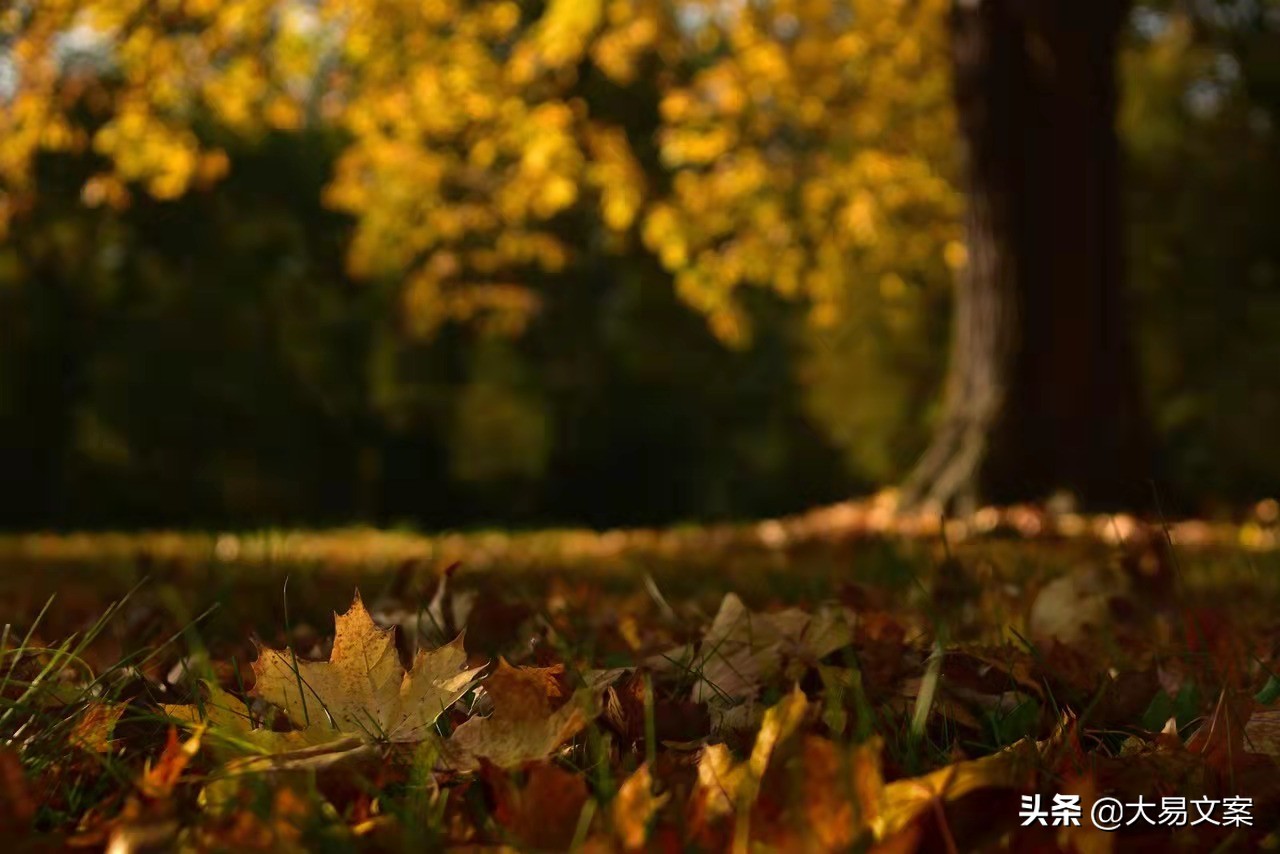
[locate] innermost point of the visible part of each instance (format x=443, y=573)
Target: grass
x=941, y=674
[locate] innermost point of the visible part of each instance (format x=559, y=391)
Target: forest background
x=450, y=264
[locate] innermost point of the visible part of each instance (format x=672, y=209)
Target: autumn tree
x=799, y=146
x=1042, y=390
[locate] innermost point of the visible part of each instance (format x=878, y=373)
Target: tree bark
x=1041, y=394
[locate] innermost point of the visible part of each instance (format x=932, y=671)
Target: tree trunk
x=1041, y=394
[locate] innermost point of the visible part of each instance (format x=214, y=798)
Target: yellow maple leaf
x=363, y=689
x=227, y=719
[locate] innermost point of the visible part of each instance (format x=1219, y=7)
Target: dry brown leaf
x=17, y=806
x=278, y=831
x=1221, y=739
x=1071, y=608
x=842, y=790
x=905, y=800
x=728, y=786
x=363, y=689
x=159, y=779
x=147, y=822
x=530, y=720
x=1087, y=838
x=92, y=731
x=673, y=720
x=1262, y=732
x=742, y=651
x=543, y=813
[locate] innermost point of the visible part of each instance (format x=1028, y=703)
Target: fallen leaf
x=1086, y=838
x=742, y=651
x=159, y=778
x=1262, y=732
x=94, y=727
x=1072, y=607
x=841, y=792
x=344, y=759
x=905, y=800
x=227, y=719
x=542, y=813
x=634, y=808
x=17, y=806
x=673, y=720
x=727, y=786
x=147, y=820
x=363, y=688
x=1221, y=739
x=530, y=719
x=279, y=829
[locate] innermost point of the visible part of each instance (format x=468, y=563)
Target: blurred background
x=452, y=264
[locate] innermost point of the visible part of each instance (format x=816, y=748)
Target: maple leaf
x=363, y=688
x=742, y=651
x=527, y=723
x=227, y=718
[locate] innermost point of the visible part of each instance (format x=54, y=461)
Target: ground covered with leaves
x=816, y=688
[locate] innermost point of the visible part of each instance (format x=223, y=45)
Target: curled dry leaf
x=841, y=791
x=1074, y=607
x=93, y=729
x=1221, y=739
x=147, y=822
x=363, y=689
x=634, y=808
x=530, y=719
x=742, y=651
x=679, y=721
x=159, y=778
x=726, y=785
x=904, y=801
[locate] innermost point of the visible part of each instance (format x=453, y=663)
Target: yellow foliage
x=806, y=143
